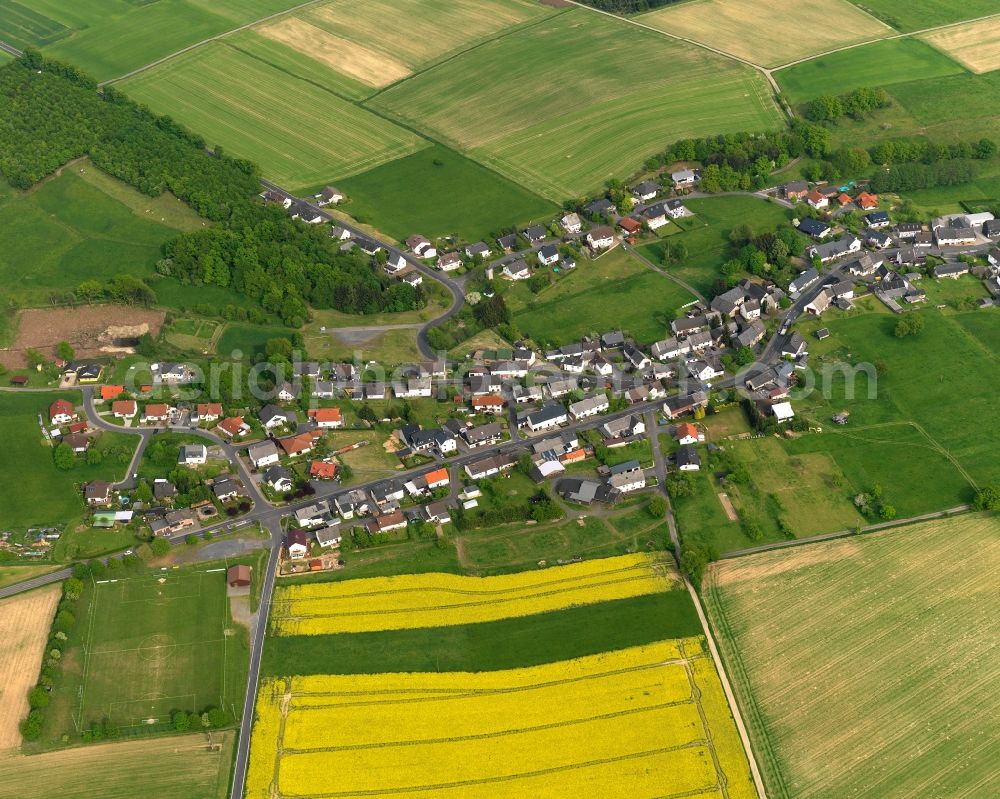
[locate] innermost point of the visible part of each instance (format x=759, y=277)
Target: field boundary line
x=92, y=611
x=210, y=39
x=156, y=646
x=709, y=742
x=634, y=711
x=898, y=35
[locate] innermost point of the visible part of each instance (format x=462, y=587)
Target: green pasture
x=915, y=15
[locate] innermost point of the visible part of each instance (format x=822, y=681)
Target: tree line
x=51, y=113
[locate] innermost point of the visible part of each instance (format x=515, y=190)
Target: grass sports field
x=108, y=38
x=642, y=722
x=897, y=60
x=149, y=644
x=45, y=494
x=438, y=192
x=919, y=14
x=72, y=229
x=183, y=768
x=976, y=44
x=643, y=303
x=769, y=33
x=435, y=600
x=564, y=104
x=865, y=666
x=299, y=133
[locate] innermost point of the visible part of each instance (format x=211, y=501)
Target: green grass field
x=707, y=241
x=880, y=64
x=562, y=105
x=882, y=638
x=108, y=38
x=69, y=231
x=437, y=192
x=488, y=646
x=919, y=14
x=149, y=644
x=613, y=291
x=300, y=133
x=45, y=495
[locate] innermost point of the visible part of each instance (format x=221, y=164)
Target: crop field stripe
x=636, y=711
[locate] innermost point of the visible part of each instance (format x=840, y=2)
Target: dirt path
x=727, y=506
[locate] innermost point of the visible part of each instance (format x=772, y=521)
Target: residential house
x=676, y=209
x=866, y=201
x=421, y=246
x=669, y=348
x=226, y=489
x=954, y=236
x=571, y=223
x=796, y=190
x=429, y=440
x=636, y=357
x=387, y=522
x=263, y=454
x=278, y=477
x=750, y=334
x=272, y=417
x=367, y=245
x=684, y=178
x=322, y=470
x=817, y=200
x=412, y=387
x=833, y=250
x=276, y=198
x=490, y=403
x=655, y=216
x=395, y=263
x=548, y=255
x=623, y=427
x=233, y=426
x=613, y=340
x=329, y=195
x=340, y=233
x=326, y=418
x=560, y=387
x=412, y=278
x=703, y=370
x=77, y=442
x=626, y=477
x=352, y=503
x=878, y=220
x=487, y=467
x=687, y=433
x=315, y=515
x=865, y=265
x=601, y=207
x=439, y=478
x=328, y=536
x=297, y=544
x=124, y=409
x=449, y=261
x=591, y=406
x=155, y=413
x=192, y=455
x=305, y=213
x=110, y=392
x=507, y=242
x=437, y=512
x=546, y=417
x=681, y=404
x=300, y=444
x=687, y=459
x=98, y=492
x=535, y=233
x=645, y=191
x=479, y=248
x=751, y=310
x=600, y=238
x=630, y=225
x=61, y=412
x=991, y=229
x=814, y=227
x=908, y=230
x=482, y=435
x=516, y=270
x=794, y=347
x=878, y=239
x=951, y=270
x=208, y=411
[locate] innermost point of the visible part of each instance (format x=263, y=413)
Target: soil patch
x=91, y=330
x=727, y=506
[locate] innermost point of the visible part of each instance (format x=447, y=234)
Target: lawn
x=707, y=241
x=564, y=104
x=769, y=33
x=615, y=291
x=487, y=646
x=948, y=455
x=437, y=192
x=108, y=38
x=147, y=645
x=46, y=495
x=833, y=646
x=184, y=769
x=879, y=64
x=249, y=340
x=71, y=230
x=920, y=14
x=388, y=348
x=298, y=132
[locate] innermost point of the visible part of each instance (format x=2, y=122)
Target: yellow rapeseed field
x=627, y=723
x=435, y=600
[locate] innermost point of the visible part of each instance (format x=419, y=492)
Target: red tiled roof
x=325, y=414
x=61, y=406
x=210, y=409
x=232, y=425
x=436, y=476
x=322, y=470
x=110, y=392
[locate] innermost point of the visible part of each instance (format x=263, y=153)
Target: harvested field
x=867, y=667
x=769, y=33
x=24, y=629
x=641, y=722
x=342, y=55
x=182, y=767
x=91, y=329
x=975, y=44
x=433, y=600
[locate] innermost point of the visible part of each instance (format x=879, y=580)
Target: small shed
x=238, y=576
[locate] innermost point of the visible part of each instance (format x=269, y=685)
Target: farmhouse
x=955, y=234
x=586, y=492
x=626, y=477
